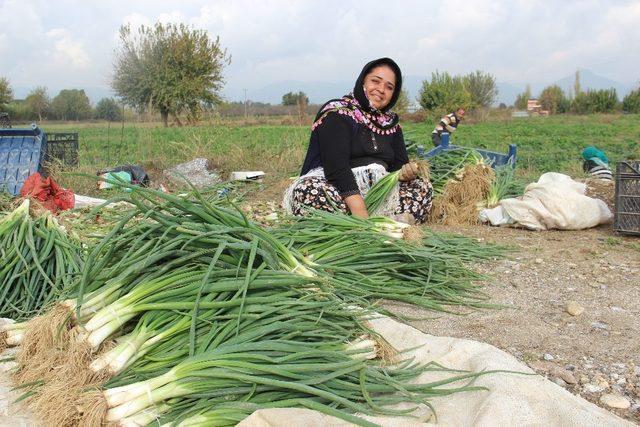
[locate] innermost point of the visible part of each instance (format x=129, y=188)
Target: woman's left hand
x=408, y=172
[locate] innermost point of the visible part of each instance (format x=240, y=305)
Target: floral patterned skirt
x=317, y=193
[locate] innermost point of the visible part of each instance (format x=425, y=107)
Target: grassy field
x=544, y=144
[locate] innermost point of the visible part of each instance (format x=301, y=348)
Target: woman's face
x=379, y=85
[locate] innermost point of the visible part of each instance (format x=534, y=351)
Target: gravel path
x=575, y=310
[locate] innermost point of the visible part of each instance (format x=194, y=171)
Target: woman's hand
x=356, y=205
x=408, y=171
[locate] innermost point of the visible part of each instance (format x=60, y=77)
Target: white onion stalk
x=393, y=234
x=131, y=353
x=124, y=350
x=98, y=336
x=141, y=403
x=12, y=325
x=145, y=417
x=15, y=337
x=119, y=395
x=145, y=395
x=362, y=348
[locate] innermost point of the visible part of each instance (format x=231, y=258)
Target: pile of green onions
x=212, y=317
x=39, y=261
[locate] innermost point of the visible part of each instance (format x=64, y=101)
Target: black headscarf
x=358, y=107
x=358, y=90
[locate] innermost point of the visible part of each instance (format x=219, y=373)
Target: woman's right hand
x=408, y=171
x=356, y=205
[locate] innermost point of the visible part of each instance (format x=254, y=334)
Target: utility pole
x=245, y=104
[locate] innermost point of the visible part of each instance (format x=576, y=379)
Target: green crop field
x=544, y=144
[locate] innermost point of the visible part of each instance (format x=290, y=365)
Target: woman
x=355, y=141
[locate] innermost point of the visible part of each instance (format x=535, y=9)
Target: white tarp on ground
x=554, y=202
x=512, y=399
x=12, y=414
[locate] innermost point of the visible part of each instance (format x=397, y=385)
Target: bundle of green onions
x=381, y=190
x=446, y=165
x=362, y=263
x=39, y=261
x=505, y=185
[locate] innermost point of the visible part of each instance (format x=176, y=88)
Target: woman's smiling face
x=379, y=85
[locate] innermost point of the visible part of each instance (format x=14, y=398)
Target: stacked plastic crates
x=627, y=212
x=62, y=149
x=21, y=152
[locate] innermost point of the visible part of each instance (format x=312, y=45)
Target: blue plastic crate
x=492, y=158
x=21, y=153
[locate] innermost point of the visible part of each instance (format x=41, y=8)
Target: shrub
x=444, y=93
x=631, y=102
x=553, y=99
x=595, y=101
x=108, y=109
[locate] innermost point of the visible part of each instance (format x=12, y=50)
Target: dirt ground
x=591, y=354
x=594, y=354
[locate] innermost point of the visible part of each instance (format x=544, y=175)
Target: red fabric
x=47, y=191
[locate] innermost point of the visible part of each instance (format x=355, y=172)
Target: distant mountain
x=319, y=92
x=588, y=80
x=591, y=80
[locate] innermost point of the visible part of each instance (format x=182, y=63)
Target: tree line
x=68, y=104
x=478, y=90
x=553, y=99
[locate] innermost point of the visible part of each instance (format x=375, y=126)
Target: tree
x=402, y=104
x=6, y=94
x=631, y=102
x=576, y=85
x=481, y=87
x=71, y=104
x=444, y=92
x=38, y=102
x=108, y=109
x=292, y=98
x=553, y=99
x=169, y=68
x=522, y=99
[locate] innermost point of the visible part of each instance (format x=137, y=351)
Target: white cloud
x=276, y=40
x=135, y=20
x=67, y=51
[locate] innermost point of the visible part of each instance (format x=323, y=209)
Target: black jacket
x=340, y=143
x=345, y=144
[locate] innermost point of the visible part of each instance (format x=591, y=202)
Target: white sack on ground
x=512, y=399
x=555, y=202
x=91, y=202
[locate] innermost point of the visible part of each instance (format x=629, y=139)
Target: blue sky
x=70, y=44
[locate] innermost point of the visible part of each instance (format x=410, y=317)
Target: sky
x=70, y=44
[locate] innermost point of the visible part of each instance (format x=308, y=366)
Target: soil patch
x=548, y=274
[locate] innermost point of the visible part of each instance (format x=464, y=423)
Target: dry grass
x=461, y=197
